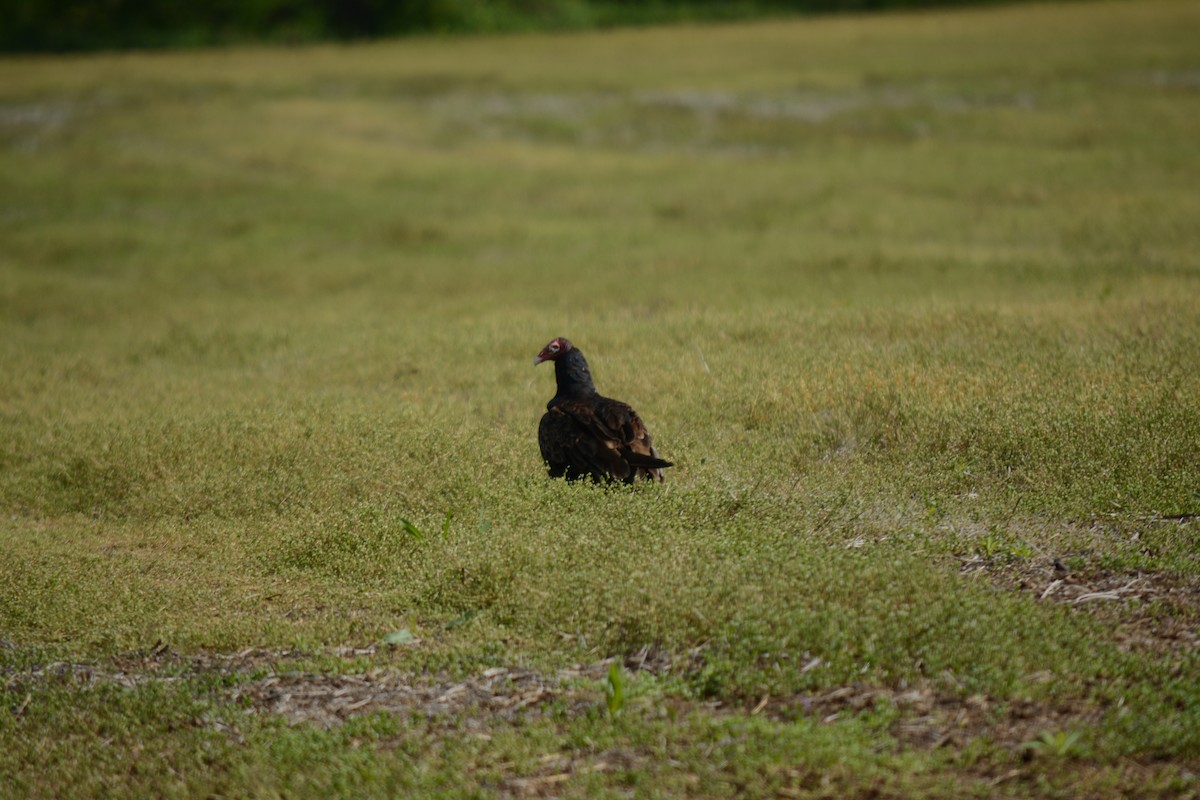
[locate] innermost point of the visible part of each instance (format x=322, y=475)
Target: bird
x=586, y=435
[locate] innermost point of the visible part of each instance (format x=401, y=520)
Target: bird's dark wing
x=636, y=447
x=571, y=451
x=600, y=438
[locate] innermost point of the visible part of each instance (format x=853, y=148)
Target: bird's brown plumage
x=586, y=435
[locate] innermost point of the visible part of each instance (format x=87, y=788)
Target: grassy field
x=912, y=302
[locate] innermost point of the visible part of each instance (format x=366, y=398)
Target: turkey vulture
x=583, y=434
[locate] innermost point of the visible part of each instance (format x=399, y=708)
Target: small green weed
x=1057, y=744
x=411, y=530
x=994, y=546
x=614, y=690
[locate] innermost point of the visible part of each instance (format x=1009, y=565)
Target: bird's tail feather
x=647, y=461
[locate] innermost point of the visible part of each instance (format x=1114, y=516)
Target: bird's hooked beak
x=550, y=352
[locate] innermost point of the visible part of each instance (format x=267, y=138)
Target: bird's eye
x=554, y=347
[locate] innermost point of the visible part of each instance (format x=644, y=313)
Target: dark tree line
x=65, y=25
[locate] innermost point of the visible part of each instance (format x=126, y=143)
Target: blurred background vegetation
x=67, y=25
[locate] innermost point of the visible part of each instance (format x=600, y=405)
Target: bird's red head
x=557, y=348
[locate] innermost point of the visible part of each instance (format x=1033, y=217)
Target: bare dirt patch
x=498, y=693
x=929, y=715
x=932, y=717
x=1150, y=612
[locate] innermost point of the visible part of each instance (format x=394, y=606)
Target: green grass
x=910, y=300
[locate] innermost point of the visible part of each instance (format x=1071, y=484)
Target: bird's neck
x=573, y=377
